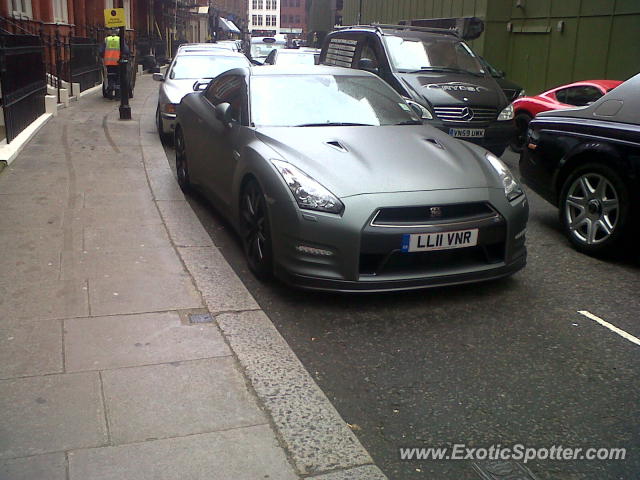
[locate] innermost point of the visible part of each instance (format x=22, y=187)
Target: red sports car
x=577, y=94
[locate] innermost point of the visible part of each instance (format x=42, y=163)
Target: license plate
x=424, y=242
x=467, y=132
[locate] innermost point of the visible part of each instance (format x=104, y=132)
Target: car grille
x=425, y=263
x=432, y=215
x=467, y=115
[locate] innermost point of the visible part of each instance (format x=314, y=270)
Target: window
x=297, y=3
x=297, y=18
x=256, y=20
x=578, y=96
x=271, y=5
x=268, y=20
x=257, y=4
x=60, y=11
x=274, y=20
x=260, y=20
x=290, y=18
x=21, y=8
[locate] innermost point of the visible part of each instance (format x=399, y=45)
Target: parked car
x=289, y=56
x=586, y=162
x=576, y=94
x=434, y=68
x=511, y=89
x=233, y=45
x=186, y=68
x=354, y=193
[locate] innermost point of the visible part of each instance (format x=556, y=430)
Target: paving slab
x=52, y=466
x=120, y=200
x=365, y=472
x=221, y=288
x=311, y=428
x=125, y=293
x=164, y=185
x=178, y=399
x=94, y=264
x=22, y=267
x=185, y=228
x=114, y=217
x=53, y=181
x=125, y=237
x=30, y=348
x=42, y=300
x=241, y=454
x=50, y=413
x=100, y=343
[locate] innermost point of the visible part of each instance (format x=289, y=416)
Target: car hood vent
x=435, y=142
x=337, y=145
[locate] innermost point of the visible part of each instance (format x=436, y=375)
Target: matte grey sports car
x=334, y=183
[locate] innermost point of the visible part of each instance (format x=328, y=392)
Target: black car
x=587, y=161
x=437, y=71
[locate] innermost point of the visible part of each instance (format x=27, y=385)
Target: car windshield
x=259, y=50
x=414, y=55
x=325, y=100
x=296, y=59
x=204, y=66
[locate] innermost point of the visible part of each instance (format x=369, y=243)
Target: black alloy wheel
x=594, y=209
x=255, y=230
x=182, y=166
x=522, y=124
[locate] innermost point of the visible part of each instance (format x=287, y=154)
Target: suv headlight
x=512, y=188
x=309, y=194
x=506, y=114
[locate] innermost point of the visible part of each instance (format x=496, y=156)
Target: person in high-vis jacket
x=110, y=53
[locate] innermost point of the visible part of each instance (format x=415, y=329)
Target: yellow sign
x=114, y=17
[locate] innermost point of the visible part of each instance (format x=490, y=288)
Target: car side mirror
x=368, y=65
x=199, y=86
x=158, y=77
x=224, y=113
x=417, y=108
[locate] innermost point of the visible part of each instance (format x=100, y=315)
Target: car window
x=579, y=96
x=230, y=89
x=204, y=66
x=414, y=54
x=301, y=100
x=341, y=51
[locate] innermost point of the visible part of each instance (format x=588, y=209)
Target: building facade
x=539, y=43
x=264, y=17
x=293, y=18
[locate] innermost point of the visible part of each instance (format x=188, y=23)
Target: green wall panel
x=533, y=9
x=496, y=39
x=561, y=54
x=592, y=48
x=624, y=60
x=499, y=10
x=565, y=8
x=627, y=6
x=596, y=7
x=528, y=60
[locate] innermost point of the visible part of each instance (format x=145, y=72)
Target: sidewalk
x=102, y=374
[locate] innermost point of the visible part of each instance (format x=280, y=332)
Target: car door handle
x=236, y=155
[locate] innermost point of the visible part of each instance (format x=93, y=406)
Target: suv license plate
x=424, y=242
x=467, y=132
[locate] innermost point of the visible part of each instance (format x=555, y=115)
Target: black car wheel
x=522, y=124
x=182, y=166
x=256, y=234
x=594, y=209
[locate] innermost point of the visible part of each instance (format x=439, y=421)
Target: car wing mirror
x=158, y=77
x=368, y=65
x=224, y=113
x=200, y=85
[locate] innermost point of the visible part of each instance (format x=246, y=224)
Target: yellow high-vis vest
x=112, y=50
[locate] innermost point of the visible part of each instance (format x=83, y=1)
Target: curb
x=9, y=151
x=317, y=440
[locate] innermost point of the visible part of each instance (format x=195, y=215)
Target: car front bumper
x=348, y=253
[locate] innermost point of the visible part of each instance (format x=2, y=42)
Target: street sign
x=114, y=17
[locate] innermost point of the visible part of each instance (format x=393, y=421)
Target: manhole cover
x=200, y=318
x=502, y=470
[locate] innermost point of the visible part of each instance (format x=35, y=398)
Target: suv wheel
x=522, y=124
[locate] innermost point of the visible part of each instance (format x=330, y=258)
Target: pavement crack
x=108, y=136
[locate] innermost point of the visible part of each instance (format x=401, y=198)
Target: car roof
x=211, y=52
x=267, y=70
x=606, y=84
x=295, y=50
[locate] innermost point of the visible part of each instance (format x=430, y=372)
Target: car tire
x=164, y=137
x=256, y=231
x=106, y=91
x=521, y=121
x=182, y=165
x=595, y=209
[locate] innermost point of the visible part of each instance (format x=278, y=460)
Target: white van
x=262, y=46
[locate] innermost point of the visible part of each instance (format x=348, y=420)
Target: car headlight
x=512, y=188
x=506, y=114
x=309, y=194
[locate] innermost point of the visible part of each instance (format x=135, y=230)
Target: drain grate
x=502, y=470
x=200, y=318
